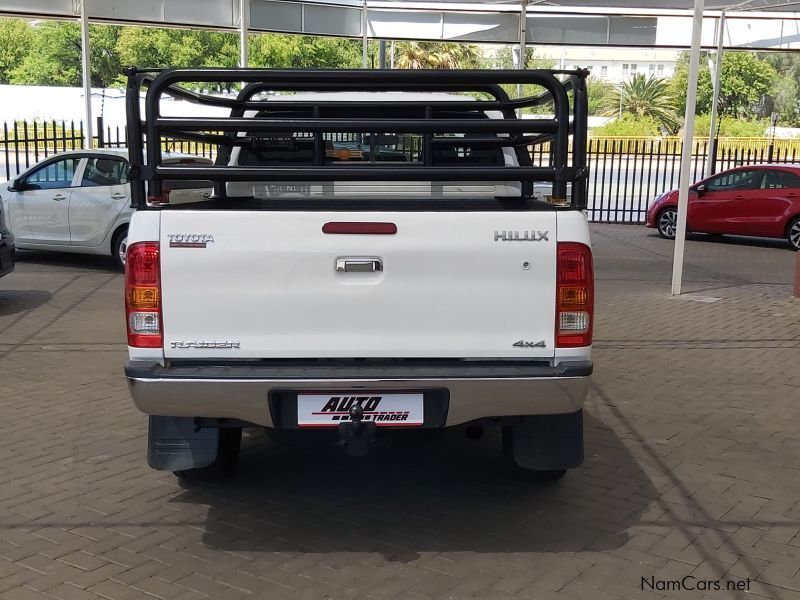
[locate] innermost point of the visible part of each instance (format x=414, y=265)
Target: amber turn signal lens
x=143, y=297
x=573, y=298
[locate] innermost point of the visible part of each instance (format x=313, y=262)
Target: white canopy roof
x=763, y=24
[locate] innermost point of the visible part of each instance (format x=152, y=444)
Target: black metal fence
x=23, y=144
x=626, y=174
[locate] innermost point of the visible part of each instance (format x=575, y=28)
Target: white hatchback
x=75, y=201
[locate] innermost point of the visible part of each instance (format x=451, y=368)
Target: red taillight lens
x=163, y=198
x=574, y=295
x=143, y=295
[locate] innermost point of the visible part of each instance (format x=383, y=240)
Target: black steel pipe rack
x=317, y=118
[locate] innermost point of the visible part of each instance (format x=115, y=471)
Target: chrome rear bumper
x=475, y=391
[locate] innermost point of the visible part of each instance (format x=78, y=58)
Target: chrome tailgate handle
x=358, y=264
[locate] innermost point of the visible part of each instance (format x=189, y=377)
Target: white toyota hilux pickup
x=372, y=259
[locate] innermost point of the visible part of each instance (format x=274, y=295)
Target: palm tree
x=646, y=97
x=437, y=55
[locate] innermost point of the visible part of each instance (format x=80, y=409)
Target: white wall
x=45, y=103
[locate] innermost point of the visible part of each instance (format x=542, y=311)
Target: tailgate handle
x=358, y=265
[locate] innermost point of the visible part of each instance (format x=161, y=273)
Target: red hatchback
x=757, y=200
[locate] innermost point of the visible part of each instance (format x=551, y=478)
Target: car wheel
x=793, y=234
x=667, y=223
x=230, y=439
x=119, y=249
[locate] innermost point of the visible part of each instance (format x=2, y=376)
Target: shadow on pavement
x=735, y=240
x=16, y=301
x=450, y=494
x=91, y=262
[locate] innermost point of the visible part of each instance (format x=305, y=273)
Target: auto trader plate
x=385, y=410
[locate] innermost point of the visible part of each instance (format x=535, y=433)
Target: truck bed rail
x=315, y=119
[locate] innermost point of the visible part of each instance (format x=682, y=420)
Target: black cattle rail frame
x=326, y=116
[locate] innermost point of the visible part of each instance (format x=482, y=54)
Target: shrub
x=731, y=127
x=629, y=126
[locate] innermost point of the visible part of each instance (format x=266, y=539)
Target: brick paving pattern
x=692, y=460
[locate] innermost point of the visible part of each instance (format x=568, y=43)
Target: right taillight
x=166, y=190
x=143, y=295
x=574, y=295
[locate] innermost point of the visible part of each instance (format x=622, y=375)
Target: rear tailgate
x=265, y=285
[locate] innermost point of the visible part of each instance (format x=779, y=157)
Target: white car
x=75, y=201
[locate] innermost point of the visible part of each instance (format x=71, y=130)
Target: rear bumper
x=6, y=253
x=475, y=390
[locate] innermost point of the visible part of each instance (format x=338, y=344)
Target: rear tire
x=667, y=223
x=119, y=248
x=793, y=234
x=230, y=439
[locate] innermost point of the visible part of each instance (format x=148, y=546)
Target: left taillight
x=574, y=295
x=143, y=295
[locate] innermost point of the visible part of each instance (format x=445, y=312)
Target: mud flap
x=175, y=445
x=549, y=442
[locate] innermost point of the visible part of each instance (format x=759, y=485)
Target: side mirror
x=20, y=185
x=701, y=189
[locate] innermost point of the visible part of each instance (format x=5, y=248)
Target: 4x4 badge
x=524, y=344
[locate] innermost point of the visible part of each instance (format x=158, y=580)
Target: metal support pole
x=88, y=140
x=244, y=28
x=712, y=133
x=382, y=54
x=686, y=151
x=523, y=25
x=364, y=32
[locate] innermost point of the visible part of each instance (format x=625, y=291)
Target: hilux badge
x=520, y=236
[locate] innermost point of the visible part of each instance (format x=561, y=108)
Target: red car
x=757, y=200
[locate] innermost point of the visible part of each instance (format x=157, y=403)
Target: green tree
x=602, y=96
x=504, y=59
x=54, y=57
x=437, y=55
x=745, y=80
x=16, y=37
x=787, y=88
x=166, y=48
x=274, y=50
x=646, y=97
x=163, y=48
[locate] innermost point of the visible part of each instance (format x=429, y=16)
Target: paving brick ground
x=693, y=461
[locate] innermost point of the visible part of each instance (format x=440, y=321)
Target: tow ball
x=356, y=436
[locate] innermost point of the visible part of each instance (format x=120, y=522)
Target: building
x=614, y=65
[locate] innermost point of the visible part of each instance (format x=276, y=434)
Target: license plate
x=385, y=410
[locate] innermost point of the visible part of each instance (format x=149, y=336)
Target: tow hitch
x=356, y=436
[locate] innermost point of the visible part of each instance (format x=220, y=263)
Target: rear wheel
x=793, y=234
x=119, y=248
x=230, y=439
x=667, y=223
